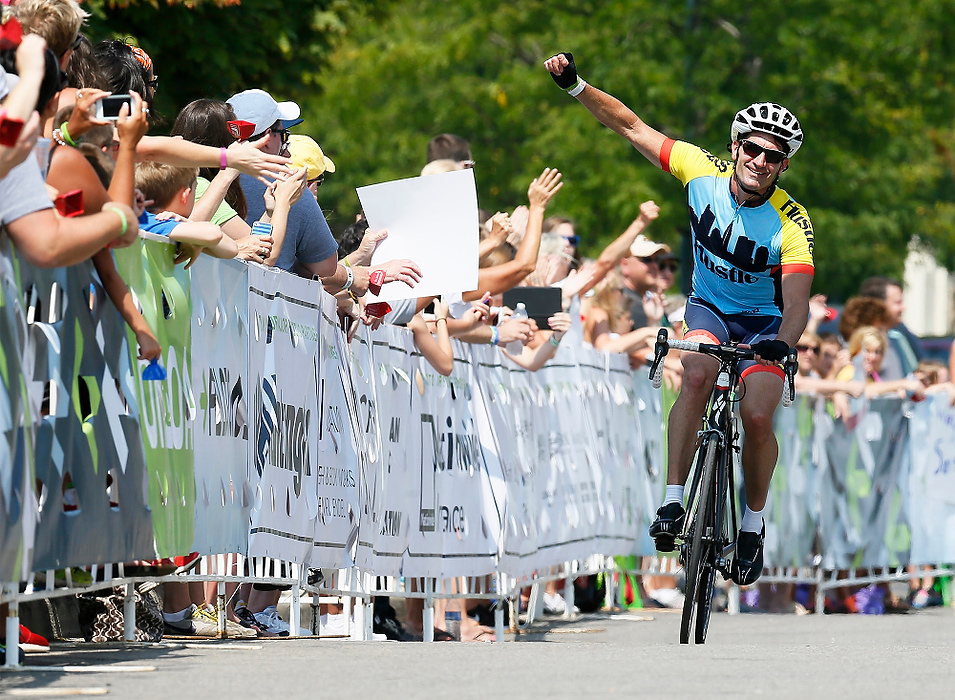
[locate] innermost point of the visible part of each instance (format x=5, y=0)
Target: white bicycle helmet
x=769, y=118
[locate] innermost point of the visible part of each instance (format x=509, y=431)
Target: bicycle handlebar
x=720, y=352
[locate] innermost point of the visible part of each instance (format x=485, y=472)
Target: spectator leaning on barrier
x=308, y=241
x=904, y=343
x=641, y=279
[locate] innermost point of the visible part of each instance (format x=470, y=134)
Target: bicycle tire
x=707, y=583
x=694, y=567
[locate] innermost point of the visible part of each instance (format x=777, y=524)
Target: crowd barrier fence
x=274, y=437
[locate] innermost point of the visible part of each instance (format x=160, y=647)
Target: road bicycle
x=708, y=537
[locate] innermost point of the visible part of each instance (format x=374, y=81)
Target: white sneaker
x=668, y=597
x=332, y=625
x=554, y=604
x=270, y=621
x=233, y=630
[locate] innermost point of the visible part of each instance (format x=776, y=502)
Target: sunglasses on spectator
x=317, y=181
x=808, y=348
x=466, y=163
x=754, y=149
x=648, y=260
x=286, y=135
x=573, y=240
x=154, y=83
x=669, y=265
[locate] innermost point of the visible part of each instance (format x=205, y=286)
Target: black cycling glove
x=568, y=78
x=772, y=350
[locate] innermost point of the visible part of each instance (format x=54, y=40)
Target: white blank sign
x=432, y=220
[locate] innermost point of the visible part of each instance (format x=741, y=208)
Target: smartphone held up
x=109, y=107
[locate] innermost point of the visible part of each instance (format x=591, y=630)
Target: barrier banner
x=393, y=487
x=220, y=343
x=88, y=449
x=166, y=409
x=452, y=537
x=283, y=445
x=336, y=531
x=510, y=450
x=16, y=443
x=931, y=482
x=621, y=430
x=364, y=412
x=863, y=517
x=791, y=510
x=649, y=455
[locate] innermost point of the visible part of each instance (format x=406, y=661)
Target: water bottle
x=154, y=371
x=452, y=621
x=515, y=347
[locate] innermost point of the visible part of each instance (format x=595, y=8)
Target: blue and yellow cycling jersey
x=739, y=253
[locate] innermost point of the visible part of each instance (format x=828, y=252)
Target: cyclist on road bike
x=752, y=249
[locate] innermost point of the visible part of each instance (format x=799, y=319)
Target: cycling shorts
x=703, y=322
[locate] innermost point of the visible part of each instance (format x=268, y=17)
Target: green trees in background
x=872, y=84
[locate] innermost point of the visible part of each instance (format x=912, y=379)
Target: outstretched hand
x=544, y=187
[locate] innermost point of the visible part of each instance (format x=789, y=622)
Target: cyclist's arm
x=795, y=286
x=615, y=115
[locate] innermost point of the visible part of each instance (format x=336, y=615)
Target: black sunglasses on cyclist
x=754, y=149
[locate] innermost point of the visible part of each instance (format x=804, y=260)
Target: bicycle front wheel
x=699, y=568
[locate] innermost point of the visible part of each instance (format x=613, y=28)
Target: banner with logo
x=335, y=539
x=931, y=482
x=284, y=361
x=391, y=509
x=225, y=488
x=88, y=449
x=166, y=409
x=452, y=537
x=16, y=443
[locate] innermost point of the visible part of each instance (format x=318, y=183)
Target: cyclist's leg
x=699, y=372
x=762, y=390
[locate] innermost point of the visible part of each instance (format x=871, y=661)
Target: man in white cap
x=640, y=276
x=308, y=240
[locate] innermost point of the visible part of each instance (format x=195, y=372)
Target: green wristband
x=65, y=133
x=122, y=217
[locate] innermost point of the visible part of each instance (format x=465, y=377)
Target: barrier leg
x=11, y=591
x=427, y=614
x=499, y=609
x=610, y=589
x=569, y=594
x=295, y=611
x=820, y=594
x=732, y=599
x=221, y=631
x=129, y=613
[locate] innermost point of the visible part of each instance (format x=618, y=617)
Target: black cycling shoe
x=748, y=562
x=667, y=526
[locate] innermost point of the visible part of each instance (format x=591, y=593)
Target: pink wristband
x=223, y=159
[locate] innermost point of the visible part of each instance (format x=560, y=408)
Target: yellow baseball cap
x=305, y=153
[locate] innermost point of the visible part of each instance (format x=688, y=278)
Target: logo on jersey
x=745, y=256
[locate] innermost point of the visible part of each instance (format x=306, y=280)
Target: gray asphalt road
x=627, y=654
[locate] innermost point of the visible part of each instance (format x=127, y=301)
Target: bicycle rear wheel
x=699, y=569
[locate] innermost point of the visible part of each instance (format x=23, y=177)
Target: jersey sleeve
x=685, y=161
x=795, y=254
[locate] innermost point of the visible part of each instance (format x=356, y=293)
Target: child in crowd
x=172, y=189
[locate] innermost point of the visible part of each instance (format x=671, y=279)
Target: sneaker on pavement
x=32, y=642
x=554, y=604
x=748, y=562
x=193, y=625
x=667, y=526
x=270, y=621
x=232, y=629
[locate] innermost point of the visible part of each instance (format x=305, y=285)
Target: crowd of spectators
x=212, y=188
